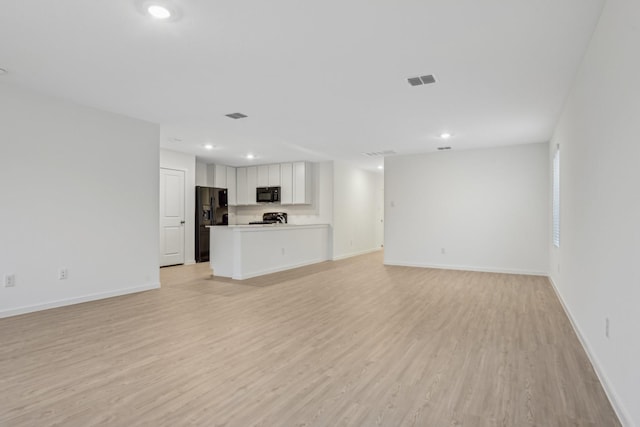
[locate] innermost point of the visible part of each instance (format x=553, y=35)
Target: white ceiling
x=318, y=80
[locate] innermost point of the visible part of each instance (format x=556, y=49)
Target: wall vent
x=444, y=148
x=236, y=116
x=380, y=153
x=422, y=80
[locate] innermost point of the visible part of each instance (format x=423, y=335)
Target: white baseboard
x=468, y=268
x=190, y=262
x=77, y=300
x=620, y=411
x=352, y=254
x=251, y=274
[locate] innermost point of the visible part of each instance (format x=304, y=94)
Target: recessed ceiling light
x=159, y=12
x=380, y=167
x=250, y=156
x=445, y=135
x=3, y=71
x=208, y=146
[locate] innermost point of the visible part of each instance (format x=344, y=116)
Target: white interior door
x=171, y=217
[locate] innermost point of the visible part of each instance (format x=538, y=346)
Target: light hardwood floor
x=346, y=343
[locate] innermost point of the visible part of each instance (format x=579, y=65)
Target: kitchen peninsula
x=245, y=251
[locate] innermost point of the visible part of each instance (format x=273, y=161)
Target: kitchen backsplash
x=303, y=214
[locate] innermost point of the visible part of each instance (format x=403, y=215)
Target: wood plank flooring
x=346, y=343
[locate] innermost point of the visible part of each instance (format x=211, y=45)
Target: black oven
x=267, y=194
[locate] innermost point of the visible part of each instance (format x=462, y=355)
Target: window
x=556, y=198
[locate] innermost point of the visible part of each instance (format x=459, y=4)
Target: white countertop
x=275, y=225
x=272, y=227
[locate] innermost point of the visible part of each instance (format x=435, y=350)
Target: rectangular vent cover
x=380, y=153
x=444, y=148
x=236, y=116
x=422, y=80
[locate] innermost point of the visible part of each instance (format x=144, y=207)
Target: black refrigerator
x=211, y=210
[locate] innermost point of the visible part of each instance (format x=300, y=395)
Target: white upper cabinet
x=269, y=175
x=263, y=176
x=274, y=175
x=211, y=171
x=231, y=186
x=246, y=185
x=286, y=183
x=294, y=180
x=295, y=184
x=302, y=183
x=242, y=197
x=219, y=176
x=252, y=184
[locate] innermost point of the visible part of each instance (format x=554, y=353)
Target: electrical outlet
x=606, y=327
x=9, y=280
x=442, y=251
x=63, y=274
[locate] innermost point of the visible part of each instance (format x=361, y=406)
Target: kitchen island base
x=242, y=252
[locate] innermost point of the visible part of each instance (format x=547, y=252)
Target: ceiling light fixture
x=445, y=135
x=159, y=12
x=208, y=146
x=380, y=167
x=250, y=156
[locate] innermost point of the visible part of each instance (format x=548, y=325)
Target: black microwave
x=267, y=194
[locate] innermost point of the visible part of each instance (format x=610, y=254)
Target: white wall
x=487, y=208
x=320, y=211
x=596, y=269
x=187, y=163
x=356, y=196
x=79, y=191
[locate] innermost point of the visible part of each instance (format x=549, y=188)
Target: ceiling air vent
x=380, y=153
x=444, y=148
x=423, y=80
x=236, y=116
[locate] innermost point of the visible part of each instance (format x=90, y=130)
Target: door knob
x=181, y=222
